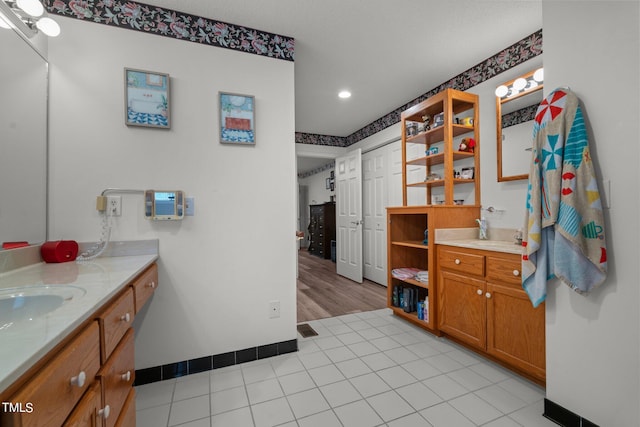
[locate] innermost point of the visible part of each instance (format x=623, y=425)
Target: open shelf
x=435, y=135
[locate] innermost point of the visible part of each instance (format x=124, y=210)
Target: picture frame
x=147, y=98
x=467, y=173
x=237, y=118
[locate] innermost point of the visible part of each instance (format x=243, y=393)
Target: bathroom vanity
x=71, y=361
x=482, y=305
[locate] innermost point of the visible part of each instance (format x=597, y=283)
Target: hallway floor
x=322, y=293
x=362, y=370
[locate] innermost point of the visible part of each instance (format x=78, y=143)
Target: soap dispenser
x=482, y=231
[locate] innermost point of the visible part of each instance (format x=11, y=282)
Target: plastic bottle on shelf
x=425, y=314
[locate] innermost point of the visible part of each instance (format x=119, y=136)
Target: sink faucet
x=482, y=231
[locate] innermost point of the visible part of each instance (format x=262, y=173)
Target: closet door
x=375, y=170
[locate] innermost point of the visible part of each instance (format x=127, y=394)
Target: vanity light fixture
x=344, y=94
x=28, y=16
x=520, y=85
x=31, y=7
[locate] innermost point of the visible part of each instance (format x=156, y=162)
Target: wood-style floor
x=322, y=293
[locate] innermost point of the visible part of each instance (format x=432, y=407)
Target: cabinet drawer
x=144, y=286
x=86, y=413
x=117, y=377
x=114, y=322
x=57, y=387
x=504, y=270
x=461, y=261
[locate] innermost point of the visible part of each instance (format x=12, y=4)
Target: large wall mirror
x=516, y=104
x=23, y=141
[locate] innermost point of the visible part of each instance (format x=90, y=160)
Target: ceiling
x=386, y=52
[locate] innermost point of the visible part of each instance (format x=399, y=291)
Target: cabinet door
x=86, y=412
x=462, y=308
x=117, y=377
x=127, y=416
x=515, y=330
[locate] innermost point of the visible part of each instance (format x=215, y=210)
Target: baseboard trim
x=216, y=361
x=563, y=416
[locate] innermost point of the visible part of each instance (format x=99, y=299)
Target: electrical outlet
x=114, y=205
x=274, y=309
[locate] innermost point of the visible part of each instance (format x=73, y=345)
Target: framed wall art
x=237, y=119
x=146, y=97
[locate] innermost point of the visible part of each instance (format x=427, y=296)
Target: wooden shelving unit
x=407, y=224
x=453, y=105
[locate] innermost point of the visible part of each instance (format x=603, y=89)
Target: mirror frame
x=499, y=102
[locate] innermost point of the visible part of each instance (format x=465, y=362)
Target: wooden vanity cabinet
x=60, y=384
x=102, y=349
x=481, y=303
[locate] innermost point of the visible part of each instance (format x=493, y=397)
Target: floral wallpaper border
x=522, y=115
x=328, y=166
x=519, y=52
x=178, y=25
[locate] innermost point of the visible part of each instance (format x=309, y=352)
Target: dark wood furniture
x=322, y=229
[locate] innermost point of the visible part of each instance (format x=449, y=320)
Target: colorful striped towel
x=564, y=228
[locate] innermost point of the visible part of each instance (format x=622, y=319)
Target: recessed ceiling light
x=344, y=94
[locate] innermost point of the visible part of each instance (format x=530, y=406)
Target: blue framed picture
x=237, y=118
x=146, y=97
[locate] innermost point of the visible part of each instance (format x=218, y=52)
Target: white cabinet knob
x=126, y=317
x=126, y=376
x=457, y=261
x=488, y=295
x=516, y=273
x=479, y=291
x=79, y=379
x=151, y=285
x=104, y=412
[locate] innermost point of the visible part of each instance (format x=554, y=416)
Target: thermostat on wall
x=164, y=204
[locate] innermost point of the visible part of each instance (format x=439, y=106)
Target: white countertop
x=23, y=343
x=467, y=238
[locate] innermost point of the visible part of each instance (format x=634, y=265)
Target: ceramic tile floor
x=362, y=370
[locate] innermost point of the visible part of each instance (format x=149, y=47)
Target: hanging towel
x=564, y=226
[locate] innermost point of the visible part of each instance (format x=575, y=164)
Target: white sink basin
x=27, y=303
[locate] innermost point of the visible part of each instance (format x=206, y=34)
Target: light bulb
x=344, y=94
x=519, y=84
x=48, y=26
x=32, y=7
x=501, y=91
x=4, y=22
x=538, y=75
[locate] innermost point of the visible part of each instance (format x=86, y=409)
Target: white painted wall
x=593, y=342
x=316, y=185
x=220, y=268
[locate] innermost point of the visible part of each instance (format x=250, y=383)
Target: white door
x=349, y=215
x=395, y=174
x=374, y=201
